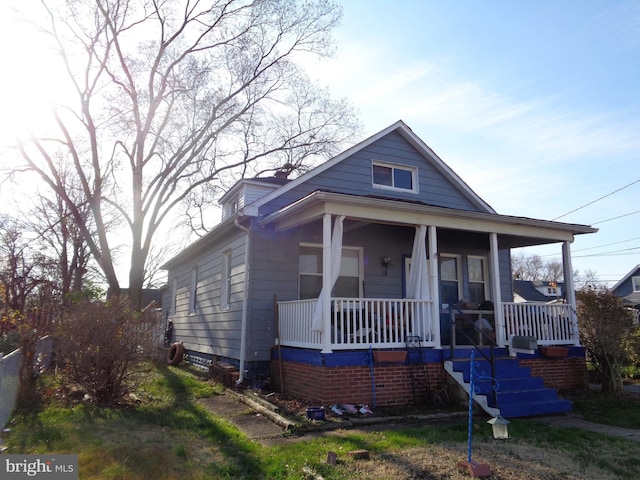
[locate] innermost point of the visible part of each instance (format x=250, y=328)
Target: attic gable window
x=394, y=177
x=635, y=283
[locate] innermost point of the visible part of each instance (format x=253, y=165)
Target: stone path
x=254, y=425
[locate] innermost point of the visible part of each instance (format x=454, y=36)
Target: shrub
x=604, y=324
x=632, y=349
x=100, y=344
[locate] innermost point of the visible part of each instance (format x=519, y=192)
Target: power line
x=605, y=245
x=597, y=199
x=602, y=254
x=615, y=253
x=615, y=218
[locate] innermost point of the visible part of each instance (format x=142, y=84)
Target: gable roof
x=635, y=271
x=401, y=128
x=528, y=290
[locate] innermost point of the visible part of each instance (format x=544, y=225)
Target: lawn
x=166, y=434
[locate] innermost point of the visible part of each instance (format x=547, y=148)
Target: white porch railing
x=357, y=323
x=550, y=324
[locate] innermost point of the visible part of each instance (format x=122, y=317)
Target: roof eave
x=310, y=207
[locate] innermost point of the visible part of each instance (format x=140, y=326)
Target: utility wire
x=597, y=199
x=615, y=253
x=605, y=245
x=615, y=218
x=592, y=248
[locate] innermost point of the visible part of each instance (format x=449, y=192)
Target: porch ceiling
x=513, y=231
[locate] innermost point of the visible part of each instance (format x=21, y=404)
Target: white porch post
x=433, y=285
x=569, y=290
x=494, y=274
x=326, y=283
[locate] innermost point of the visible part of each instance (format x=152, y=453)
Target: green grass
x=167, y=434
x=622, y=409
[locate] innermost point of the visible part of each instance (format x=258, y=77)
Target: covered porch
x=429, y=304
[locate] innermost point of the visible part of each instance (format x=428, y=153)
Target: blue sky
x=535, y=104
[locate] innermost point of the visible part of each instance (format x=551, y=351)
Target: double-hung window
x=394, y=177
x=478, y=291
x=450, y=279
x=310, y=272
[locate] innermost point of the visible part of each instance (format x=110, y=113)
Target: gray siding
x=210, y=329
x=353, y=176
x=626, y=287
x=506, y=282
x=275, y=268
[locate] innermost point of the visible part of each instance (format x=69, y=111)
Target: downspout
x=245, y=302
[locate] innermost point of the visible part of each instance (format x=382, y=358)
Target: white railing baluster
x=549, y=324
x=357, y=323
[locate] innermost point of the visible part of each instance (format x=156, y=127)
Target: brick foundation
x=346, y=377
x=569, y=373
x=353, y=384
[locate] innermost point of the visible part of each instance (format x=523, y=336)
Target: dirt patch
x=516, y=462
x=296, y=409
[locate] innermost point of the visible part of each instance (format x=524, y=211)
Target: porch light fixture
x=386, y=261
x=499, y=426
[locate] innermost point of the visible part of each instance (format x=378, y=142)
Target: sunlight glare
x=32, y=81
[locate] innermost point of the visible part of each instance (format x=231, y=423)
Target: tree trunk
x=611, y=378
x=136, y=280
x=27, y=387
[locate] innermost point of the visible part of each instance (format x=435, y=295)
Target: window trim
x=174, y=297
x=412, y=169
x=635, y=283
x=193, y=291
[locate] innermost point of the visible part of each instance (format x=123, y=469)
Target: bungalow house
x=382, y=248
x=628, y=288
x=537, y=291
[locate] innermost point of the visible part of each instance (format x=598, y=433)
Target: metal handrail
x=492, y=344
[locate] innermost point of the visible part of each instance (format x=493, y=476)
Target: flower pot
x=554, y=352
x=315, y=413
x=389, y=356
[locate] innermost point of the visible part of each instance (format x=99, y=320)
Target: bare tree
x=57, y=232
x=175, y=99
x=526, y=267
x=22, y=268
x=588, y=279
x=534, y=268
x=29, y=289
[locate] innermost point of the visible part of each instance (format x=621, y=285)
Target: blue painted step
x=519, y=394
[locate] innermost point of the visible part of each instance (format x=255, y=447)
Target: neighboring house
x=396, y=239
x=537, y=291
x=629, y=289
